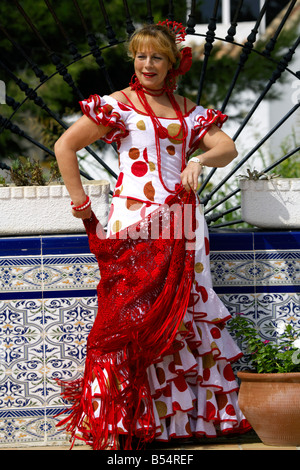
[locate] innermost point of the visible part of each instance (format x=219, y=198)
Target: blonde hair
x=158, y=37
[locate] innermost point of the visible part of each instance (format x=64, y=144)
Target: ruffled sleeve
x=107, y=112
x=202, y=121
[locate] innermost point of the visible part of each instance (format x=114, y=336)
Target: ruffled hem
x=193, y=388
x=102, y=113
x=203, y=123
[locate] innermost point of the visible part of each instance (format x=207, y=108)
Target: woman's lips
x=149, y=75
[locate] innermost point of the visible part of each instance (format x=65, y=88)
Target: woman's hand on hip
x=190, y=176
x=85, y=214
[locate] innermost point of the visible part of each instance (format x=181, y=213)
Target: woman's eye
x=143, y=57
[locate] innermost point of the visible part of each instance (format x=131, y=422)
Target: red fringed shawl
x=147, y=273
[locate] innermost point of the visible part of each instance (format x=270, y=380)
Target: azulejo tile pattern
x=48, y=304
x=258, y=275
x=47, y=307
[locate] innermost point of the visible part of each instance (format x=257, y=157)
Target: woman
x=158, y=356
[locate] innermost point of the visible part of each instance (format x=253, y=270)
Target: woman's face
x=151, y=68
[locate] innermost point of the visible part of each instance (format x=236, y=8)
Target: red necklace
x=160, y=131
x=149, y=91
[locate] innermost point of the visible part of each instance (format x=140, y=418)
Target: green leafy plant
x=258, y=175
x=28, y=172
x=3, y=181
x=282, y=355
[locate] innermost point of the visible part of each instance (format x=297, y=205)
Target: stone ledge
x=33, y=210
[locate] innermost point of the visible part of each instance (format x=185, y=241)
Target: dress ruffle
x=203, y=120
x=194, y=390
x=101, y=112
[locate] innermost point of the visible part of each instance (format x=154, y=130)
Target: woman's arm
x=219, y=150
x=81, y=134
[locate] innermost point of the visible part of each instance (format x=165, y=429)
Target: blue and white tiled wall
x=47, y=307
x=48, y=304
x=258, y=274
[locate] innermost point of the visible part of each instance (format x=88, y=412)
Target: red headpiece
x=177, y=28
x=184, y=63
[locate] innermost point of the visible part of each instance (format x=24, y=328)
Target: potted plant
x=269, y=201
x=34, y=204
x=269, y=394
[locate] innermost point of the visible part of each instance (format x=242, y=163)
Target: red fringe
x=124, y=342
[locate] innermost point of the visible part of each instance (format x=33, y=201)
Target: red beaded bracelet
x=83, y=206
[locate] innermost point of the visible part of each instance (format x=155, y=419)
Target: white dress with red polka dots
x=193, y=390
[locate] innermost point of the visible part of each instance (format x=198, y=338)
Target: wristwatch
x=196, y=160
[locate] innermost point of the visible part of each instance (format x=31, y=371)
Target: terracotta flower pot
x=271, y=404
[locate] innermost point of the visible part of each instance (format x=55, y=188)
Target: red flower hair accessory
x=184, y=63
x=182, y=66
x=176, y=28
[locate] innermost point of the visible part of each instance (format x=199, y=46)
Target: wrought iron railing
x=110, y=38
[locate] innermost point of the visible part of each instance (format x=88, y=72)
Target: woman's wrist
x=196, y=160
x=83, y=206
x=78, y=197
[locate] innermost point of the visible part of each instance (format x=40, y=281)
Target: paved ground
x=247, y=441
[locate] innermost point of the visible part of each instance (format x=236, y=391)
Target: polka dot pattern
x=161, y=408
x=134, y=153
x=174, y=130
x=133, y=205
x=152, y=166
x=171, y=150
x=149, y=191
x=139, y=169
x=141, y=125
x=161, y=375
x=120, y=179
x=198, y=267
x=117, y=225
x=193, y=386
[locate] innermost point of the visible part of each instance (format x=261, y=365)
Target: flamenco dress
x=159, y=356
